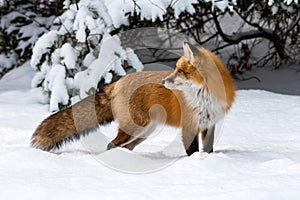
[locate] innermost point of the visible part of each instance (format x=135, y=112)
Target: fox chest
x=207, y=110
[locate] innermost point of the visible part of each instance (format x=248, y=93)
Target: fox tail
x=73, y=122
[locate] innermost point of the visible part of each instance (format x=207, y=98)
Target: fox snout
x=170, y=80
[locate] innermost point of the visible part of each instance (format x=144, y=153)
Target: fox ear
x=190, y=51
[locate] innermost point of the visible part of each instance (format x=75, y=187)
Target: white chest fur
x=207, y=109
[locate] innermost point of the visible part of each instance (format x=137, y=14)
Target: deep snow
x=257, y=155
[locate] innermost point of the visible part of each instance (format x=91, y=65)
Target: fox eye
x=180, y=71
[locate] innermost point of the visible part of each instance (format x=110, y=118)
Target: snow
x=117, y=11
x=55, y=82
x=26, y=27
x=42, y=46
x=110, y=57
x=7, y=61
x=20, y=81
x=69, y=56
x=148, y=9
x=222, y=4
x=80, y=23
x=86, y=19
x=288, y=2
x=181, y=6
x=256, y=154
x=66, y=4
x=133, y=60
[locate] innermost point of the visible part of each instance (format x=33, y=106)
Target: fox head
x=187, y=73
x=199, y=70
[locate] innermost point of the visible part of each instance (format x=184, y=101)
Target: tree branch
x=261, y=32
x=33, y=20
x=161, y=60
x=256, y=25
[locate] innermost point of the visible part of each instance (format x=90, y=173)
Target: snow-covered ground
x=257, y=155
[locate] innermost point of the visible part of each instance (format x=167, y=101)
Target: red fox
x=193, y=97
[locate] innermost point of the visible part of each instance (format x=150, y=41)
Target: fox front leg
x=190, y=141
x=208, y=139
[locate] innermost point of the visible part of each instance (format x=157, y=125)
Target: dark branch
x=252, y=34
x=161, y=60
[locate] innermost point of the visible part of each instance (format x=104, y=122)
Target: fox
x=193, y=97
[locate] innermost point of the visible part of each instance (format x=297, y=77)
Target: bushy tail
x=75, y=121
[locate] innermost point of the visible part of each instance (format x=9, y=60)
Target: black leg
x=134, y=143
x=110, y=146
x=208, y=140
x=193, y=147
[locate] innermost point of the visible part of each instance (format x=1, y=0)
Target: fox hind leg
x=134, y=138
x=121, y=138
x=134, y=143
x=126, y=141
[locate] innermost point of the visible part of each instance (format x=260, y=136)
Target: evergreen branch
x=33, y=20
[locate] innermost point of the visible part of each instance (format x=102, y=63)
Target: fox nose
x=169, y=80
